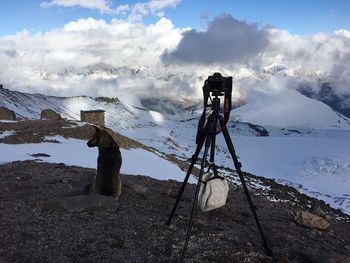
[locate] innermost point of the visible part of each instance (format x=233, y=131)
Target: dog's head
x=101, y=139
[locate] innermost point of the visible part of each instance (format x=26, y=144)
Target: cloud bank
x=226, y=40
x=84, y=54
x=124, y=56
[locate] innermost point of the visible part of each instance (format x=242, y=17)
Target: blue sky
x=298, y=17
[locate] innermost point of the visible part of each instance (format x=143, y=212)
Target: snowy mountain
x=328, y=95
x=289, y=109
x=282, y=135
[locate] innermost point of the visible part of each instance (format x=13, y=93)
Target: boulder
x=309, y=220
x=50, y=114
x=319, y=212
x=6, y=114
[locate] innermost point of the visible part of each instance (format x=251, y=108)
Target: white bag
x=213, y=192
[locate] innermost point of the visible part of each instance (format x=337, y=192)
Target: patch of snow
x=273, y=199
x=138, y=161
x=8, y=121
x=6, y=134
x=157, y=117
x=318, y=167
x=75, y=152
x=74, y=124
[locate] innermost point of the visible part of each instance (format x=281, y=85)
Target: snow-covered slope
x=312, y=157
x=289, y=109
x=57, y=153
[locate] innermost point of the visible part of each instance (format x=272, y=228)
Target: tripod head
x=214, y=87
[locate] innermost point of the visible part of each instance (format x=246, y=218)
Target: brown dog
x=109, y=161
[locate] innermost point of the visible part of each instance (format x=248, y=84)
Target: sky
x=298, y=17
x=167, y=47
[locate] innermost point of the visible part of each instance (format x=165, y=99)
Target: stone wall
x=93, y=116
x=7, y=114
x=50, y=114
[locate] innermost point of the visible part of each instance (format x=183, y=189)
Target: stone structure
x=50, y=114
x=6, y=114
x=93, y=116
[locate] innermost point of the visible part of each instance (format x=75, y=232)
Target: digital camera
x=219, y=84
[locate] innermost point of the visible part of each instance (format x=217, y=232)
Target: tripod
x=206, y=137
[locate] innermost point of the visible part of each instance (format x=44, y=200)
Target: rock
x=65, y=181
x=139, y=188
x=339, y=259
x=50, y=114
x=309, y=220
x=84, y=181
x=40, y=155
x=6, y=114
x=319, y=212
x=81, y=203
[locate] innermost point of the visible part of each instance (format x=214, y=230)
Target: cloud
x=140, y=9
x=99, y=58
x=226, y=40
x=90, y=56
x=320, y=56
x=11, y=53
x=135, y=12
x=104, y=6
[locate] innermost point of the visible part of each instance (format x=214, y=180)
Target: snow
x=318, y=167
x=288, y=108
x=7, y=121
x=6, y=134
x=76, y=152
x=138, y=161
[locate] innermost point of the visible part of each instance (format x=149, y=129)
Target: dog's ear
x=96, y=128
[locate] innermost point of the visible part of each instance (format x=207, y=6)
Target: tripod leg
x=189, y=171
x=238, y=166
x=194, y=205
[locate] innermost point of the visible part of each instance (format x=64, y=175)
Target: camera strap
x=227, y=101
x=201, y=122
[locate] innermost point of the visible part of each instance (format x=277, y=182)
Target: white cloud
x=136, y=11
x=88, y=56
x=104, y=6
x=326, y=56
x=99, y=58
x=140, y=9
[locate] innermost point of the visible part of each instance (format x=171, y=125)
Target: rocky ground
x=35, y=131
x=45, y=217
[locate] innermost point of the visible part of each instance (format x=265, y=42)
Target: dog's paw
x=116, y=198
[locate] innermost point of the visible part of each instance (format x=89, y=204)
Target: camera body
x=218, y=84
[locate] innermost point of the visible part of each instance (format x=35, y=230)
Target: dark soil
x=45, y=218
